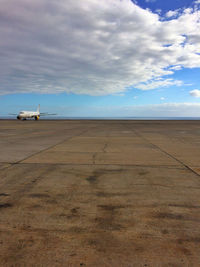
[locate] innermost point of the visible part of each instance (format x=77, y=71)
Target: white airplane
x=23, y=115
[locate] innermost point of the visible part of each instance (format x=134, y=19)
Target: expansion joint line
x=59, y=143
x=166, y=153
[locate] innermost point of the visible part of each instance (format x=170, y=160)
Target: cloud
x=176, y=67
x=150, y=1
x=170, y=110
x=172, y=13
x=92, y=47
x=195, y=93
x=155, y=110
x=158, y=83
x=160, y=110
x=162, y=98
x=197, y=2
x=159, y=11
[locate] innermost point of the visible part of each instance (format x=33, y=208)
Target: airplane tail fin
x=38, y=109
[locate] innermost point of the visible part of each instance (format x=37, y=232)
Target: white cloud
x=159, y=11
x=150, y=1
x=195, y=93
x=176, y=67
x=165, y=110
x=162, y=98
x=197, y=2
x=158, y=83
x=154, y=110
x=172, y=13
x=92, y=47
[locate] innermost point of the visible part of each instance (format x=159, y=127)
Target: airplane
x=23, y=115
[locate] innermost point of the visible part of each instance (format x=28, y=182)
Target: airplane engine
x=37, y=118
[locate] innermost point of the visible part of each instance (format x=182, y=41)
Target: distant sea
x=107, y=118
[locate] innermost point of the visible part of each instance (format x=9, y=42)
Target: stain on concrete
x=77, y=230
x=92, y=179
x=164, y=231
x=175, y=216
x=107, y=223
x=50, y=201
x=75, y=210
x=106, y=218
x=188, y=206
x=185, y=251
x=82, y=264
x=112, y=208
x=39, y=195
x=4, y=194
x=102, y=241
x=143, y=173
x=36, y=206
x=5, y=205
x=170, y=216
x=109, y=194
x=189, y=240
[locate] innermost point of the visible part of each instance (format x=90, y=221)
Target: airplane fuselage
x=23, y=115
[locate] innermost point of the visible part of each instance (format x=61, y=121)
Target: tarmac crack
x=104, y=148
x=94, y=158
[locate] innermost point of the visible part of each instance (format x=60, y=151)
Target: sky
x=108, y=58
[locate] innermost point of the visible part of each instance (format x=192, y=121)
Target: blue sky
x=165, y=6
x=108, y=58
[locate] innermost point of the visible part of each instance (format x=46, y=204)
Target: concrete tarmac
x=100, y=193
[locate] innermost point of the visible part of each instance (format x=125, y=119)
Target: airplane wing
x=48, y=114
